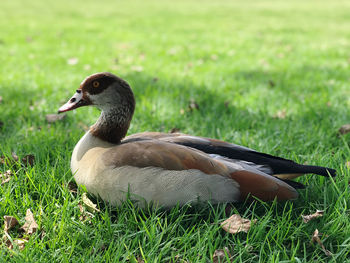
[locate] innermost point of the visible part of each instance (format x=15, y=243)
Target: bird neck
x=113, y=124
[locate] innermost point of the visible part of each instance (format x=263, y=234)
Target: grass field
x=270, y=75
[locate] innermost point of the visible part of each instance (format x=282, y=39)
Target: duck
x=169, y=169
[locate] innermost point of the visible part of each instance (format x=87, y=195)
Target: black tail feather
x=324, y=171
x=277, y=164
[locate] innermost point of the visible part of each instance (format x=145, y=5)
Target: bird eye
x=95, y=84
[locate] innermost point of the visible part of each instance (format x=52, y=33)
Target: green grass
x=241, y=61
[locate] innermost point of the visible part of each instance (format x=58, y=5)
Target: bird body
x=98, y=167
x=169, y=169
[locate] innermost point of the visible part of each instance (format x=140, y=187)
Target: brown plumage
x=168, y=168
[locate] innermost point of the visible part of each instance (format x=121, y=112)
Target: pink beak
x=75, y=102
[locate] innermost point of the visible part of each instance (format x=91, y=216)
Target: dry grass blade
x=30, y=226
x=347, y=164
x=90, y=205
x=20, y=243
x=214, y=57
x=6, y=177
x=281, y=114
x=6, y=241
x=193, y=105
x=29, y=39
x=236, y=224
x=11, y=160
x=9, y=222
x=81, y=209
x=72, y=61
x=220, y=255
x=51, y=118
x=9, y=243
x=344, y=129
x=137, y=68
x=84, y=216
x=307, y=218
x=316, y=238
x=14, y=156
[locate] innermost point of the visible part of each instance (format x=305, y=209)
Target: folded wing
x=150, y=152
x=280, y=167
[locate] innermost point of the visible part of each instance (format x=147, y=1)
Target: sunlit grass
x=243, y=62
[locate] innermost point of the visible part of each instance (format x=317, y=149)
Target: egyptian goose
x=168, y=169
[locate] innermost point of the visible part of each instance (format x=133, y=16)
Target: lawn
x=270, y=75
